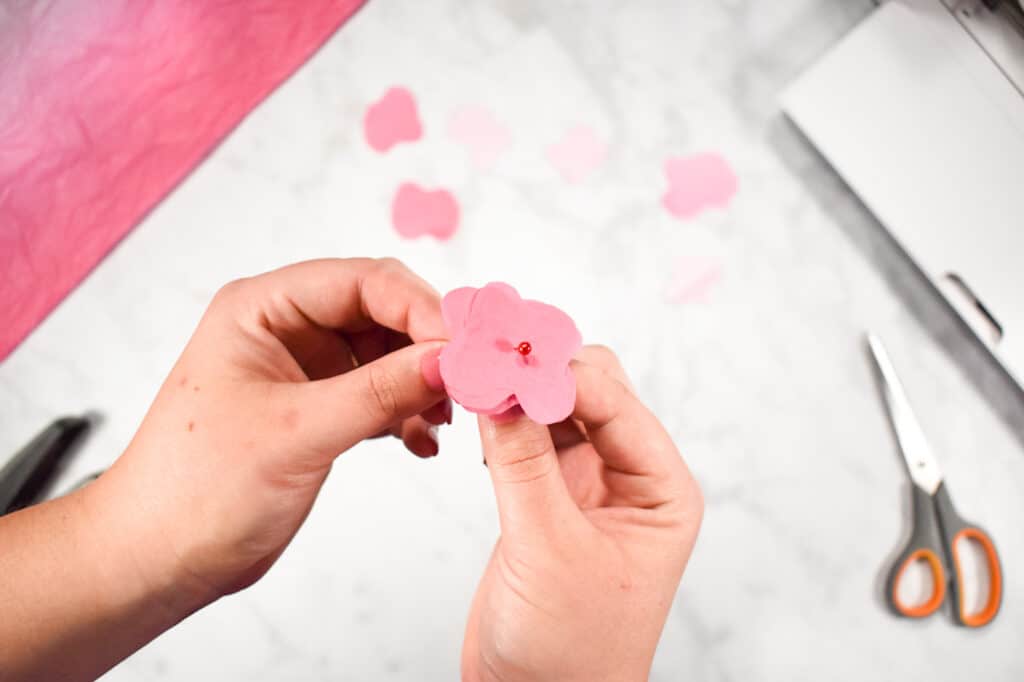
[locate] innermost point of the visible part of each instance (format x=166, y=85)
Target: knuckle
x=524, y=457
x=525, y=467
x=357, y=263
x=231, y=291
x=391, y=266
x=619, y=392
x=605, y=359
x=392, y=272
x=688, y=506
x=609, y=403
x=603, y=352
x=603, y=355
x=233, y=298
x=383, y=392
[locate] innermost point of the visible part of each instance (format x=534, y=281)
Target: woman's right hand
x=598, y=517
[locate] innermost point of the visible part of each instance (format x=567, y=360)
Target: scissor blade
x=921, y=464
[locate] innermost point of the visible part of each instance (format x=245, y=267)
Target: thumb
x=532, y=496
x=341, y=411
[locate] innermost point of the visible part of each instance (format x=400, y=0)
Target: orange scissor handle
x=995, y=579
x=954, y=529
x=924, y=544
x=930, y=605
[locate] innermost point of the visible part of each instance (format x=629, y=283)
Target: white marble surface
x=766, y=386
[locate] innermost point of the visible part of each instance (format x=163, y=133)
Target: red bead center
x=524, y=348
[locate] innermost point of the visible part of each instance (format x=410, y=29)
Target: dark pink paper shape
x=484, y=371
x=106, y=106
x=391, y=120
x=416, y=212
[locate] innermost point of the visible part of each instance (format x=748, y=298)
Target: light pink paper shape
x=693, y=280
x=484, y=371
x=391, y=120
x=696, y=183
x=480, y=133
x=578, y=154
x=416, y=212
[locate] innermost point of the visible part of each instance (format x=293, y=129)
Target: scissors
x=24, y=480
x=937, y=529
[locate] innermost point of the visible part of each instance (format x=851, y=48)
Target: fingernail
x=430, y=368
x=437, y=414
x=432, y=435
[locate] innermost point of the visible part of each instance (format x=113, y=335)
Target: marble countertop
x=765, y=383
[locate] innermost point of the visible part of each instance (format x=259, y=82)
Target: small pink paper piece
x=416, y=212
x=579, y=153
x=693, y=280
x=507, y=351
x=696, y=183
x=392, y=120
x=476, y=129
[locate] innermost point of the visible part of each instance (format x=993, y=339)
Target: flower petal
x=554, y=336
x=508, y=404
x=498, y=307
x=470, y=367
x=455, y=308
x=548, y=398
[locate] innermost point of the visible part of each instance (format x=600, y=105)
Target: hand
x=598, y=517
x=285, y=371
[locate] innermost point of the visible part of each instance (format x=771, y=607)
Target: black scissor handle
x=28, y=473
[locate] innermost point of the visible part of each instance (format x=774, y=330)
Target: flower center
x=524, y=348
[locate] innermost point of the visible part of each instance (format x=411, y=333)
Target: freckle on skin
x=195, y=388
x=191, y=425
x=183, y=381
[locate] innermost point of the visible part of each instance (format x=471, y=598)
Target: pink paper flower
x=506, y=351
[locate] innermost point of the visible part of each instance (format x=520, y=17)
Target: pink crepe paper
x=481, y=134
x=391, y=120
x=106, y=106
x=696, y=183
x=416, y=212
x=484, y=367
x=579, y=153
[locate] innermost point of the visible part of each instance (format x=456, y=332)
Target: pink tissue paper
x=106, y=106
